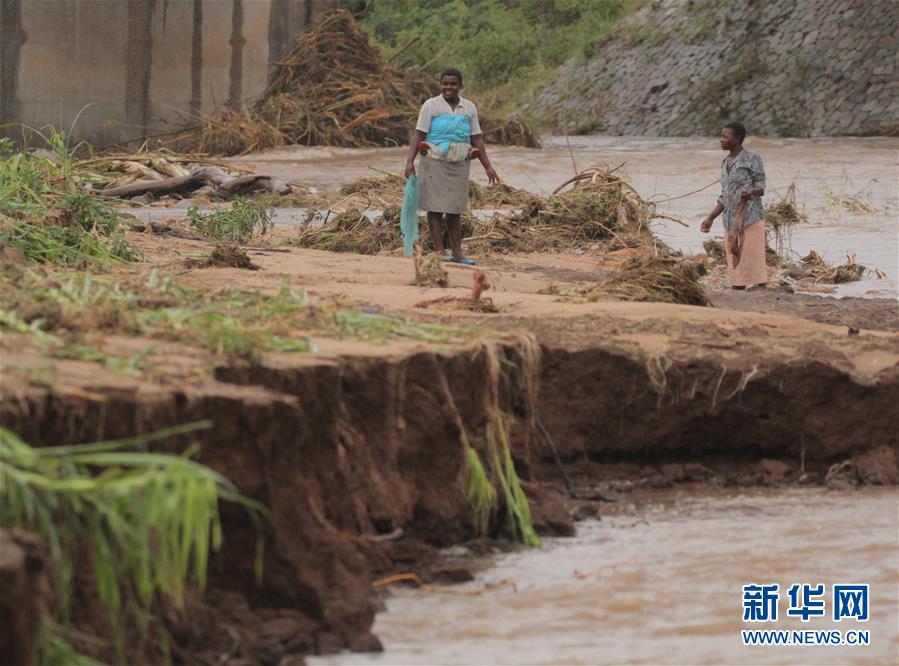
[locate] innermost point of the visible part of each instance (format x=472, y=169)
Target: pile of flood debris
x=332, y=88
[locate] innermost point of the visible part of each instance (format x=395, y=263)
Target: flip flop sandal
x=464, y=261
x=448, y=257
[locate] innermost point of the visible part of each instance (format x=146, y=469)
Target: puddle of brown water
x=668, y=167
x=659, y=582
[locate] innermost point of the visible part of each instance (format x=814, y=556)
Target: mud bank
x=675, y=406
x=342, y=451
x=361, y=460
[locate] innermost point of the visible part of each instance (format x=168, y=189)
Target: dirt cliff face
x=681, y=68
x=361, y=457
x=699, y=409
x=361, y=462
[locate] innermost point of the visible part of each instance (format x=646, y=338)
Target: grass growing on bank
x=481, y=493
x=497, y=485
x=60, y=311
x=145, y=522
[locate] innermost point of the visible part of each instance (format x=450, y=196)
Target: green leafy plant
x=240, y=221
x=146, y=521
x=47, y=214
x=518, y=512
x=481, y=494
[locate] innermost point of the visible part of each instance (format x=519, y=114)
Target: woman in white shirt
x=448, y=134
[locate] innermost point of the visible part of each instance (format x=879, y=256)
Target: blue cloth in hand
x=409, y=215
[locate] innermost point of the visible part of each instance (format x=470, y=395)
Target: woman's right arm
x=706, y=225
x=417, y=137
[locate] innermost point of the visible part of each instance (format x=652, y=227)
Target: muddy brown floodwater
x=658, y=581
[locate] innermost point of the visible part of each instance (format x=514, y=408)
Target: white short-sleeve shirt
x=437, y=106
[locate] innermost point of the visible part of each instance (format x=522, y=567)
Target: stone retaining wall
x=782, y=67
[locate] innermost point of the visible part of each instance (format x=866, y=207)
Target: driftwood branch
x=221, y=182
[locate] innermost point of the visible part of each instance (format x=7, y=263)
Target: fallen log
x=223, y=185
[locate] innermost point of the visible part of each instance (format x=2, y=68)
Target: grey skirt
x=443, y=185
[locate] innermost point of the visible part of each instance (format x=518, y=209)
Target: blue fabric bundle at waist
x=449, y=129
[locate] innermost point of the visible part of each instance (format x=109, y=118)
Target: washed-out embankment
x=784, y=68
x=362, y=462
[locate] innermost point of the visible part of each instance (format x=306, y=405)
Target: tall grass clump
x=518, y=512
x=501, y=486
x=143, y=523
x=497, y=484
x=46, y=213
x=239, y=221
x=481, y=494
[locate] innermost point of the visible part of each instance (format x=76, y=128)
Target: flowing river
x=659, y=581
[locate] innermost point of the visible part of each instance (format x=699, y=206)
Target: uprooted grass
x=496, y=484
x=480, y=491
x=352, y=231
x=780, y=218
x=602, y=211
x=857, y=203
x=387, y=191
x=664, y=278
x=524, y=372
x=45, y=213
x=605, y=212
x=143, y=523
x=332, y=88
x=782, y=214
x=58, y=311
x=822, y=271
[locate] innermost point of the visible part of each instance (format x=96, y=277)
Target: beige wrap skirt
x=751, y=268
x=443, y=185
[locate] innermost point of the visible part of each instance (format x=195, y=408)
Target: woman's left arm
x=757, y=173
x=477, y=141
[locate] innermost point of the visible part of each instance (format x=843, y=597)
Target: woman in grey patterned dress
x=742, y=188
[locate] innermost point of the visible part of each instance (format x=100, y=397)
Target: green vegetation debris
x=146, y=522
x=59, y=311
x=481, y=494
x=46, y=213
